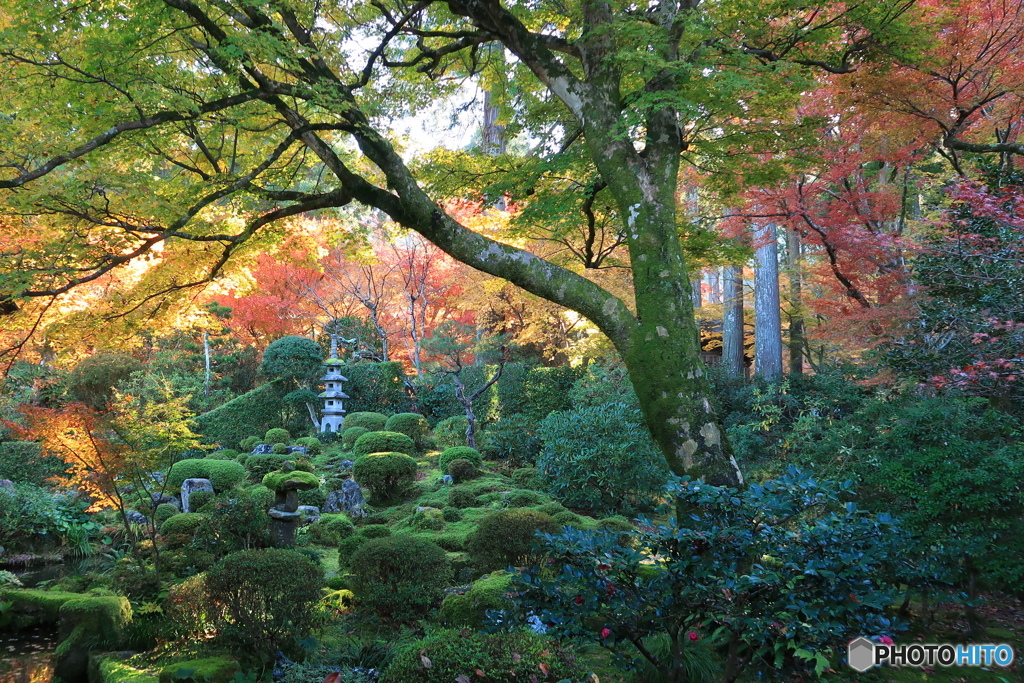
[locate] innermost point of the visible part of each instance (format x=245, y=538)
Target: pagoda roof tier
x=334, y=378
x=333, y=410
x=333, y=394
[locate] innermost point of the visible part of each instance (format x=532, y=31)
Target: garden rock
x=135, y=517
x=301, y=450
x=6, y=484
x=190, y=486
x=348, y=499
x=309, y=513
x=263, y=449
x=160, y=498
x=448, y=479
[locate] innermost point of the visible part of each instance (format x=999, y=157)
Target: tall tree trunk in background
x=206, y=357
x=732, y=322
x=767, y=307
x=796, y=303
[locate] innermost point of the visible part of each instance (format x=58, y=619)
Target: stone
x=448, y=479
x=347, y=499
x=189, y=486
x=301, y=450
x=309, y=513
x=135, y=517
x=6, y=484
x=263, y=449
x=284, y=515
x=160, y=498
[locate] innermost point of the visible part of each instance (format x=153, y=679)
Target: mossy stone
x=207, y=670
x=287, y=481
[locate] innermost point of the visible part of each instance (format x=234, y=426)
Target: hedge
x=252, y=413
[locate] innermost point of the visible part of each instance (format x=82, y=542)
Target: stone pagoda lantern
x=333, y=412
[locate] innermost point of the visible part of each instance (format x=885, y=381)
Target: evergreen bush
x=461, y=498
x=507, y=538
x=461, y=470
x=413, y=425
x=351, y=435
x=400, y=576
x=457, y=453
x=252, y=413
x=279, y=449
x=384, y=475
x=451, y=431
x=370, y=421
x=249, y=443
x=277, y=435
x=223, y=474
x=383, y=442
x=330, y=529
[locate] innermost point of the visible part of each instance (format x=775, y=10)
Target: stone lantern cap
x=291, y=481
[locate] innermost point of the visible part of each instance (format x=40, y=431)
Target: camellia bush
x=780, y=574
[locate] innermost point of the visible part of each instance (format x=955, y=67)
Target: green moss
x=103, y=614
x=185, y=523
x=208, y=670
x=459, y=453
x=32, y=605
x=470, y=609
x=223, y=474
x=283, y=481
x=112, y=669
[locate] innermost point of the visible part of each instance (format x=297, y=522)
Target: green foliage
x=459, y=453
x=312, y=444
x=513, y=439
x=24, y=462
x=470, y=608
x=525, y=477
x=206, y=670
x=223, y=474
x=277, y=435
x=236, y=521
x=380, y=386
x=34, y=518
x=249, y=443
x=375, y=531
x=531, y=392
x=163, y=512
x=330, y=529
x=400, y=576
x=223, y=454
x=351, y=435
x=601, y=384
x=189, y=607
x=507, y=538
x=269, y=598
x=461, y=470
x=748, y=565
x=297, y=479
x=462, y=498
x=182, y=524
x=413, y=425
x=198, y=499
x=601, y=459
x=292, y=358
x=383, y=442
x=371, y=422
x=451, y=432
x=258, y=466
x=459, y=653
x=94, y=379
x=280, y=449
x=523, y=499
x=252, y=413
x=384, y=475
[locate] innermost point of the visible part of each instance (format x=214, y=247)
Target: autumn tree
x=197, y=124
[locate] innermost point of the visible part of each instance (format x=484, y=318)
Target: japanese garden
x=486, y=341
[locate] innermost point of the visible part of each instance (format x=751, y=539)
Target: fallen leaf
x=462, y=678
x=480, y=673
x=332, y=678
x=426, y=661
x=516, y=657
x=543, y=668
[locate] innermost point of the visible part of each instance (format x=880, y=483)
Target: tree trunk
x=796, y=304
x=767, y=308
x=732, y=322
x=206, y=354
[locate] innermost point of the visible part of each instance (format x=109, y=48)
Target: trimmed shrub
x=451, y=514
x=269, y=598
x=223, y=474
x=198, y=499
x=249, y=443
x=461, y=470
x=163, y=512
x=375, y=531
x=277, y=435
x=351, y=435
x=190, y=608
x=507, y=537
x=470, y=608
x=223, y=454
x=523, y=499
x=251, y=413
x=279, y=449
x=461, y=498
x=371, y=422
x=312, y=444
x=182, y=524
x=330, y=529
x=292, y=358
x=525, y=477
x=380, y=385
x=383, y=442
x=347, y=548
x=451, y=432
x=400, y=576
x=384, y=475
x=93, y=380
x=601, y=459
x=259, y=466
x=315, y=497
x=413, y=425
x=456, y=453
x=457, y=654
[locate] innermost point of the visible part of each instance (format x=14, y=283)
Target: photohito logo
x=862, y=654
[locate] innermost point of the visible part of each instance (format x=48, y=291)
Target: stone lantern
x=333, y=412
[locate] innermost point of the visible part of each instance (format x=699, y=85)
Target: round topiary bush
x=351, y=435
x=525, y=477
x=470, y=608
x=311, y=443
x=182, y=524
x=269, y=599
x=279, y=448
x=292, y=357
x=507, y=537
x=330, y=529
x=371, y=422
x=451, y=514
x=400, y=576
x=222, y=454
x=347, y=547
x=198, y=499
x=249, y=443
x=383, y=442
x=461, y=470
x=451, y=432
x=375, y=531
x=277, y=435
x=456, y=453
x=523, y=499
x=223, y=474
x=384, y=475
x=413, y=425
x=315, y=497
x=462, y=498
x=163, y=512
